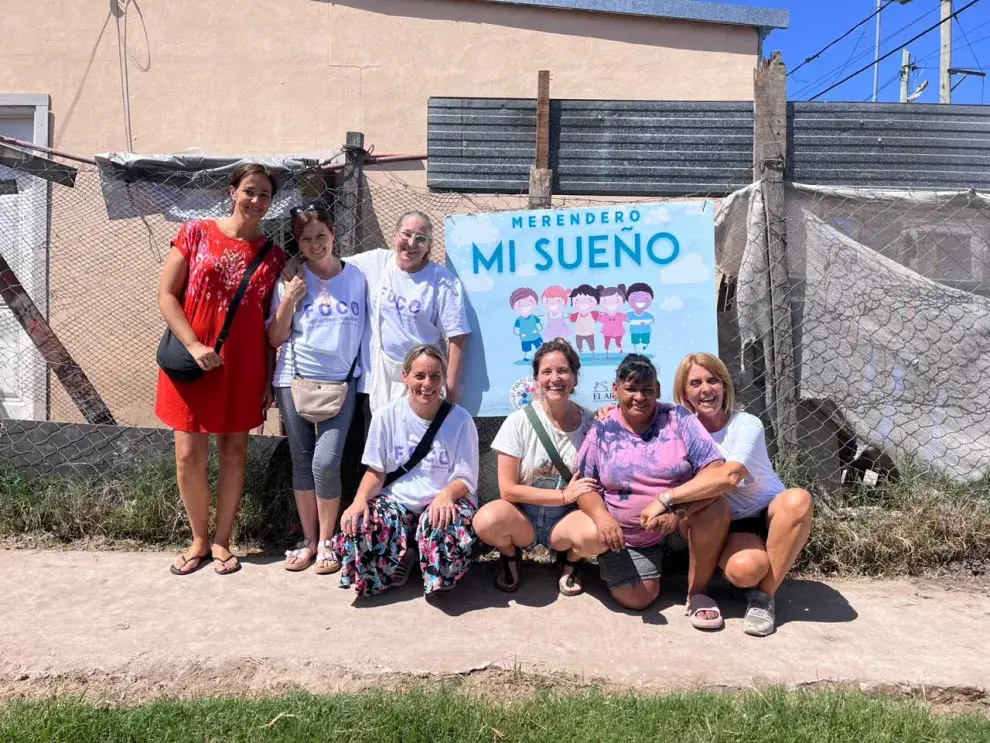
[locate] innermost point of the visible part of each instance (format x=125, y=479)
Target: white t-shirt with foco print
x=518, y=438
x=392, y=437
x=410, y=308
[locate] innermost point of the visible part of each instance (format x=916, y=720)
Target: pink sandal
x=699, y=603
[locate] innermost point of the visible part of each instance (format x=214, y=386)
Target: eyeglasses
x=418, y=240
x=318, y=209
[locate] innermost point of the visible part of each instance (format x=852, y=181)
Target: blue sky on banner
x=635, y=277
x=815, y=23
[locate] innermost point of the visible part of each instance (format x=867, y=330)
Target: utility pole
x=876, y=55
x=945, y=62
x=905, y=74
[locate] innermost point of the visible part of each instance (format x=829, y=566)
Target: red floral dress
x=227, y=399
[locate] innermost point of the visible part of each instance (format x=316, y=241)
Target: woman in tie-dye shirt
x=658, y=468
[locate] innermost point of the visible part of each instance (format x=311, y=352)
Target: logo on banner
x=522, y=392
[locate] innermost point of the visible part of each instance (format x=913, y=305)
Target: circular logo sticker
x=522, y=392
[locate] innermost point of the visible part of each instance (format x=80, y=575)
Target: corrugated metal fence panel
x=483, y=145
x=889, y=145
x=597, y=147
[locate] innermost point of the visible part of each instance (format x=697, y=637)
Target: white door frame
x=33, y=402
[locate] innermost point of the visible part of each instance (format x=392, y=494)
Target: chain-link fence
x=887, y=313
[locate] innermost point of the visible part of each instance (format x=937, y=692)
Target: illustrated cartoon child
x=555, y=301
x=613, y=322
x=584, y=299
x=640, y=297
x=528, y=326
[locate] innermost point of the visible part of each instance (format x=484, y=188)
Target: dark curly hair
x=558, y=345
x=637, y=369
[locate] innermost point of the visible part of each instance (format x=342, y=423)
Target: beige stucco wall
x=283, y=76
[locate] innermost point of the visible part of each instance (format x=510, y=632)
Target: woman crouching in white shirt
x=432, y=502
x=770, y=522
x=318, y=322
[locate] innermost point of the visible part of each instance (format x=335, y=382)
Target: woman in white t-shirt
x=770, y=522
x=536, y=501
x=411, y=300
x=318, y=320
x=433, y=502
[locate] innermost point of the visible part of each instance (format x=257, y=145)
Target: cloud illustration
x=672, y=304
x=690, y=268
x=660, y=215
x=480, y=282
x=527, y=269
x=479, y=230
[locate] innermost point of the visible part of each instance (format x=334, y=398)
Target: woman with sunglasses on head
x=318, y=320
x=204, y=268
x=418, y=493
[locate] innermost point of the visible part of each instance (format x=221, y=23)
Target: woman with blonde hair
x=770, y=522
x=419, y=491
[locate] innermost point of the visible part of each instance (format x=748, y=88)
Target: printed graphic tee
x=326, y=329
x=632, y=468
x=640, y=322
x=743, y=440
x=410, y=308
x=392, y=437
x=518, y=438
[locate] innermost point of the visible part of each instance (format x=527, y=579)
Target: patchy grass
x=445, y=714
x=914, y=525
x=141, y=505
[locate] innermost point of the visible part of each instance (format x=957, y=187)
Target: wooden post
x=540, y=175
x=348, y=208
x=75, y=381
x=769, y=165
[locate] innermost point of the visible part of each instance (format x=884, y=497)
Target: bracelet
x=563, y=500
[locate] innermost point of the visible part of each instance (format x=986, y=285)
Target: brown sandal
x=223, y=568
x=201, y=561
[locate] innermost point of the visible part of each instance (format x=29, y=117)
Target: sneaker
x=401, y=575
x=761, y=616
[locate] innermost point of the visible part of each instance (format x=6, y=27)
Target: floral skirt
x=370, y=558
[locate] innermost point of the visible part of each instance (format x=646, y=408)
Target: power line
x=832, y=43
x=894, y=51
x=972, y=51
x=819, y=81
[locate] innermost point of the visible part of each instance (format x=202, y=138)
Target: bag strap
x=239, y=295
x=544, y=437
x=422, y=447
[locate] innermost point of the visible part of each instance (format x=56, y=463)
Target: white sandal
x=327, y=563
x=699, y=603
x=305, y=546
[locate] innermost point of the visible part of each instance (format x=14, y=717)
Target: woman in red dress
x=201, y=274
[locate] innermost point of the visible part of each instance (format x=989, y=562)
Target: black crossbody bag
x=422, y=447
x=551, y=450
x=174, y=358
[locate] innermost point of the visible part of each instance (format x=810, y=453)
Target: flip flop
x=186, y=560
x=503, y=581
x=699, y=603
x=224, y=570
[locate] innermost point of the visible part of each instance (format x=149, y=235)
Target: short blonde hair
x=715, y=366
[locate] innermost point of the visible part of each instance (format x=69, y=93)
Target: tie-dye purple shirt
x=633, y=468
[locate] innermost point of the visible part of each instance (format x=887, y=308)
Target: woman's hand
x=204, y=356
x=610, y=532
x=442, y=510
x=295, y=291
x=663, y=524
x=356, y=514
x=578, y=486
x=293, y=268
x=268, y=400
x=652, y=512
x=604, y=412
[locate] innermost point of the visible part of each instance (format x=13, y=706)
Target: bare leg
x=706, y=530
x=637, y=596
x=306, y=506
x=789, y=516
x=232, y=449
x=192, y=456
x=744, y=560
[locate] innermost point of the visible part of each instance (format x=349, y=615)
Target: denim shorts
x=543, y=519
x=631, y=565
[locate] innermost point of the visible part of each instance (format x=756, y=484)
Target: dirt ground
x=118, y=626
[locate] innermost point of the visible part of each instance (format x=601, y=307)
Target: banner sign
x=633, y=278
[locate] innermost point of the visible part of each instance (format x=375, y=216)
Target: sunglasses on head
x=318, y=209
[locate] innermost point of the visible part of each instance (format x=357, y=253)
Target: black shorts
x=752, y=525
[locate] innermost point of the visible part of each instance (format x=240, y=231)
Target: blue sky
x=814, y=23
